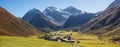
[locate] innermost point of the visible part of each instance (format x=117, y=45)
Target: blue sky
x=20, y=7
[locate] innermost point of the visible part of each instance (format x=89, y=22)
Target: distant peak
x=51, y=7
x=34, y=10
x=70, y=7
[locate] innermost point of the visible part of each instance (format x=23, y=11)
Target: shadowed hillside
x=80, y=19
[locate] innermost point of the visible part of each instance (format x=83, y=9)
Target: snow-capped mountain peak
x=53, y=9
x=72, y=10
x=61, y=15
x=71, y=7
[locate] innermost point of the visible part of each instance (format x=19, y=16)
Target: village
x=59, y=37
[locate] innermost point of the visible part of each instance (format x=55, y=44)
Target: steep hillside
x=12, y=26
x=107, y=21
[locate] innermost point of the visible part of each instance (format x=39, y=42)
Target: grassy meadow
x=86, y=40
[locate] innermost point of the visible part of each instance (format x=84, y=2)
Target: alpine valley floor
x=86, y=40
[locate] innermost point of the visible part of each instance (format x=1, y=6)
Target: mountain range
x=53, y=18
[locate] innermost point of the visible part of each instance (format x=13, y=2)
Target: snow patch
x=66, y=16
x=58, y=10
x=50, y=17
